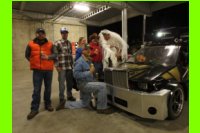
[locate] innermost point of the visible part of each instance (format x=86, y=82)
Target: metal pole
x=144, y=29
x=124, y=24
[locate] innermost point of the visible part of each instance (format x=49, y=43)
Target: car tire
x=175, y=102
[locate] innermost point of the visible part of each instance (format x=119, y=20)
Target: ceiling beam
x=95, y=12
x=134, y=9
x=67, y=7
x=141, y=7
x=130, y=14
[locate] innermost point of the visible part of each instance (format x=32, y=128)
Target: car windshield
x=163, y=55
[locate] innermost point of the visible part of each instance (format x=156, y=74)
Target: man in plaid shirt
x=64, y=65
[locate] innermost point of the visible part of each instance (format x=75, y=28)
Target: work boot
x=32, y=114
x=61, y=105
x=49, y=108
x=105, y=111
x=71, y=98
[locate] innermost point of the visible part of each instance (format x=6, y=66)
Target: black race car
x=153, y=83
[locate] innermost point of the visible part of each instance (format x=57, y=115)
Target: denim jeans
x=98, y=89
x=38, y=77
x=65, y=76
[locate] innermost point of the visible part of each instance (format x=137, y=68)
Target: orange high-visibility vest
x=35, y=59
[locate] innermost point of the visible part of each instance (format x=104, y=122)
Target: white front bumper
x=138, y=103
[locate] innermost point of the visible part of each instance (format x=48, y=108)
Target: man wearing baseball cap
x=84, y=75
x=39, y=52
x=64, y=65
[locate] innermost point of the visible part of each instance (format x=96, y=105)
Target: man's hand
x=44, y=57
x=92, y=69
x=58, y=69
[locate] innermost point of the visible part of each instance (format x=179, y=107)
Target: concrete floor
x=80, y=120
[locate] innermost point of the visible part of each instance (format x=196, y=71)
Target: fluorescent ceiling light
x=81, y=7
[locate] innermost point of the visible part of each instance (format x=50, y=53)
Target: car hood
x=144, y=72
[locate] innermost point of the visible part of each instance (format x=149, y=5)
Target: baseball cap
x=64, y=29
x=40, y=30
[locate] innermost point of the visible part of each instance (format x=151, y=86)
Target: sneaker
x=105, y=111
x=49, y=108
x=32, y=114
x=71, y=98
x=61, y=105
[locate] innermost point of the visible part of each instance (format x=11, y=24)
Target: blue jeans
x=98, y=89
x=65, y=76
x=38, y=77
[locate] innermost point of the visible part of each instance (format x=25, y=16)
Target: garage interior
x=27, y=17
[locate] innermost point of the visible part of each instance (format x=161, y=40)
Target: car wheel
x=175, y=102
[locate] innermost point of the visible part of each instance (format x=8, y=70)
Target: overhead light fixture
x=81, y=7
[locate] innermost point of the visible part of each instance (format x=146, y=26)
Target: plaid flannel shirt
x=64, y=51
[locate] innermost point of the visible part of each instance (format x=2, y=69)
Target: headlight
x=143, y=86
